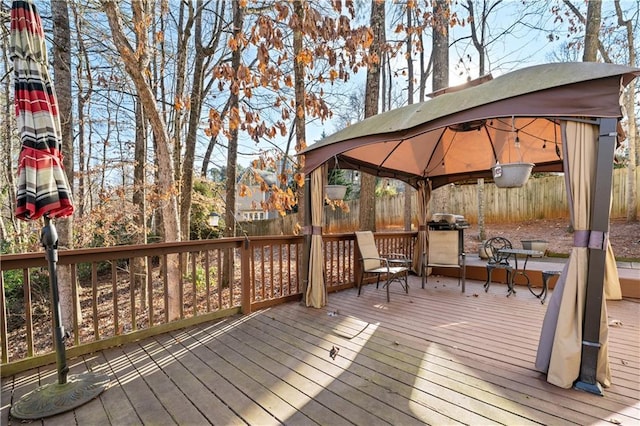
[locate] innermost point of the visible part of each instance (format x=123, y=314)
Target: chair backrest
x=443, y=248
x=367, y=247
x=493, y=245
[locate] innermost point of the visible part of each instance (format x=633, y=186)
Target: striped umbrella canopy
x=43, y=188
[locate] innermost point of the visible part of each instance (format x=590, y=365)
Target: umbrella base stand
x=594, y=388
x=56, y=398
x=69, y=392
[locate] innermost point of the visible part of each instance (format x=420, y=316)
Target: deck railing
x=122, y=292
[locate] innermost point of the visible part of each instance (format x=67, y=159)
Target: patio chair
x=394, y=266
x=445, y=252
x=498, y=260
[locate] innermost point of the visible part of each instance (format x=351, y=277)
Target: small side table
x=516, y=270
x=546, y=276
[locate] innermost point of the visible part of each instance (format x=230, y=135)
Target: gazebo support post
x=597, y=255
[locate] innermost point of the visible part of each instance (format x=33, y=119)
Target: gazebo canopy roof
x=461, y=134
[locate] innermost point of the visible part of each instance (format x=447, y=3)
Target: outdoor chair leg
x=488, y=283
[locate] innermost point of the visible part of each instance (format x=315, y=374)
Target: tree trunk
x=592, y=31
x=632, y=141
x=372, y=96
x=184, y=25
x=232, y=153
x=139, y=201
x=301, y=143
x=62, y=83
x=207, y=156
x=440, y=44
x=299, y=75
x=135, y=62
x=9, y=146
x=410, y=77
x=84, y=83
x=197, y=95
x=481, y=229
x=632, y=137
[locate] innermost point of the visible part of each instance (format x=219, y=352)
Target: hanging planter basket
x=511, y=175
x=335, y=192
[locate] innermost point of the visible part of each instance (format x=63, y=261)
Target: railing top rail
x=98, y=254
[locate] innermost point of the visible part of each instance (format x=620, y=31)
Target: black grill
x=459, y=222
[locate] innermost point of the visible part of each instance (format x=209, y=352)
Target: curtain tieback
x=312, y=230
x=591, y=239
x=422, y=227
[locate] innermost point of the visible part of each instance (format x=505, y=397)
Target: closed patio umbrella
x=42, y=184
x=43, y=191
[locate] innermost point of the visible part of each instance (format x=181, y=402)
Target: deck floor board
x=433, y=356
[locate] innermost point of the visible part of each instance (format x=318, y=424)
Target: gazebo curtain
x=560, y=346
x=422, y=241
x=316, y=292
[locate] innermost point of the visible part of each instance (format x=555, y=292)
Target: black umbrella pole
x=49, y=239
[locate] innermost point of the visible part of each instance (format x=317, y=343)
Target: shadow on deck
x=433, y=356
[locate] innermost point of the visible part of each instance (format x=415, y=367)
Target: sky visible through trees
x=516, y=34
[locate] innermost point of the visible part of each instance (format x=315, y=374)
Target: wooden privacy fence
x=540, y=198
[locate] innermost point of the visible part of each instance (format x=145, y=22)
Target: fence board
x=540, y=198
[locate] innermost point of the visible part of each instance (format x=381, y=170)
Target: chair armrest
x=400, y=256
x=383, y=261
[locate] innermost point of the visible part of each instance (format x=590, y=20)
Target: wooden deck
x=435, y=356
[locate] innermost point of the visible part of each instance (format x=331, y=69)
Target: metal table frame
x=511, y=271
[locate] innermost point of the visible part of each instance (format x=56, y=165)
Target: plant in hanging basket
x=511, y=175
x=335, y=192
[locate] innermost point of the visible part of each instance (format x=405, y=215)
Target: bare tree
x=198, y=93
x=441, y=13
x=84, y=82
x=372, y=96
x=592, y=30
x=136, y=61
x=138, y=199
x=62, y=82
x=10, y=227
x=299, y=88
x=410, y=80
x=630, y=104
x=234, y=120
x=594, y=8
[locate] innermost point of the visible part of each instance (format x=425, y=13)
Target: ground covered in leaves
x=624, y=236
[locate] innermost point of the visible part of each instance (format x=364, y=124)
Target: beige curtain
x=560, y=347
x=316, y=293
x=422, y=241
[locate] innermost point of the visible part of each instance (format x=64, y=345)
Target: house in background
x=250, y=197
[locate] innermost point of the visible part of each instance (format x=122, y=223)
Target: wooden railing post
x=245, y=277
x=270, y=272
x=357, y=270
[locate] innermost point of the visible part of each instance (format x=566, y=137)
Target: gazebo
x=560, y=117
